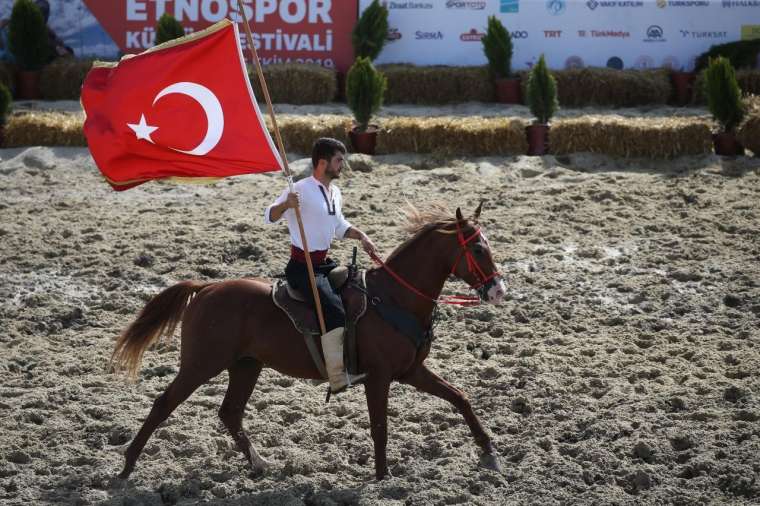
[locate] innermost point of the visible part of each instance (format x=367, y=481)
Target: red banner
x=296, y=31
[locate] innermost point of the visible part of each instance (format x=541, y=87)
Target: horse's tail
x=159, y=317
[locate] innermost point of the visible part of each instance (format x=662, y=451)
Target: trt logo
x=552, y=34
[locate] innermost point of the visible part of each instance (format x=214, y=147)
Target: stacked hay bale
x=632, y=137
x=452, y=136
x=749, y=131
x=44, y=129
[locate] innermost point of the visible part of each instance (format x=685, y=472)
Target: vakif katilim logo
x=556, y=7
x=509, y=6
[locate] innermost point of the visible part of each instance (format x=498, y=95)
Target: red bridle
x=472, y=266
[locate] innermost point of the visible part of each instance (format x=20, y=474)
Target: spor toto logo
x=556, y=7
x=474, y=5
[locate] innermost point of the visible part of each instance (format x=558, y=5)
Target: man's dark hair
x=324, y=149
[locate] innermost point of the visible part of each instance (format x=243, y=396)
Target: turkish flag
x=183, y=109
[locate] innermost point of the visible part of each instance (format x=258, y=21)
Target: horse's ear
x=477, y=211
x=459, y=215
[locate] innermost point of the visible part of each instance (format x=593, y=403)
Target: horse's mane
x=434, y=216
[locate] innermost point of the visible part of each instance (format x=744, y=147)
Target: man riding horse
x=321, y=205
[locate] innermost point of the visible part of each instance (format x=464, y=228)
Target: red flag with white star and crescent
x=184, y=109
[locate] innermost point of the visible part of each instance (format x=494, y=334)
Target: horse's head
x=473, y=261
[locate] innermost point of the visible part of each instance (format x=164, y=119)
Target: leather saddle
x=304, y=317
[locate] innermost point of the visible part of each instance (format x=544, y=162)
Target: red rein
x=472, y=266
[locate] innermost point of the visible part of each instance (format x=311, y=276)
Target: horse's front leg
x=376, y=389
x=427, y=381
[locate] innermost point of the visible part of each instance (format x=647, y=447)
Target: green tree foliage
x=542, y=92
x=724, y=98
x=168, y=29
x=28, y=37
x=741, y=54
x=5, y=103
x=497, y=45
x=365, y=88
x=370, y=33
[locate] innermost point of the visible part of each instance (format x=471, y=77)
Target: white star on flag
x=143, y=129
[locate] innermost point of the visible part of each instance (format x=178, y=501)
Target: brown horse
x=234, y=325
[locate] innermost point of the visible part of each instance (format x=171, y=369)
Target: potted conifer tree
x=725, y=104
x=543, y=103
x=28, y=41
x=5, y=107
x=365, y=88
x=497, y=45
x=168, y=28
x=371, y=31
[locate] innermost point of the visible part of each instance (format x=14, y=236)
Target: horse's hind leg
x=177, y=392
x=243, y=376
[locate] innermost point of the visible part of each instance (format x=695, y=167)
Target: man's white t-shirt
x=321, y=213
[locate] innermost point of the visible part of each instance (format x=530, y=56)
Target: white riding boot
x=332, y=346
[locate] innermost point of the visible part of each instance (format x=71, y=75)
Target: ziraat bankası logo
x=407, y=5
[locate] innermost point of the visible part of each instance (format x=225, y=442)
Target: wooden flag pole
x=285, y=167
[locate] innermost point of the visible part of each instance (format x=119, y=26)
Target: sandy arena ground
x=622, y=369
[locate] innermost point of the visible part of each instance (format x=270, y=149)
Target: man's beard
x=332, y=173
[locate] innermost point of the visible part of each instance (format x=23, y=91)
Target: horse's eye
x=478, y=249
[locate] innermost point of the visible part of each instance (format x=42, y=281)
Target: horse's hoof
x=490, y=461
x=260, y=467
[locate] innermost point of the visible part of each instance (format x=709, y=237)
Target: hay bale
x=749, y=130
x=660, y=138
x=296, y=83
x=44, y=129
x=439, y=84
x=610, y=87
x=300, y=132
x=62, y=79
x=452, y=136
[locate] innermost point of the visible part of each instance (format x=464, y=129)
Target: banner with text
x=578, y=33
x=303, y=31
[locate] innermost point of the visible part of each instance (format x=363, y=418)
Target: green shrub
x=7, y=74
x=371, y=31
x=62, y=79
x=168, y=28
x=497, y=45
x=5, y=103
x=723, y=94
x=611, y=88
x=296, y=83
x=409, y=84
x=28, y=37
x=365, y=87
x=741, y=54
x=542, y=92
x=748, y=79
